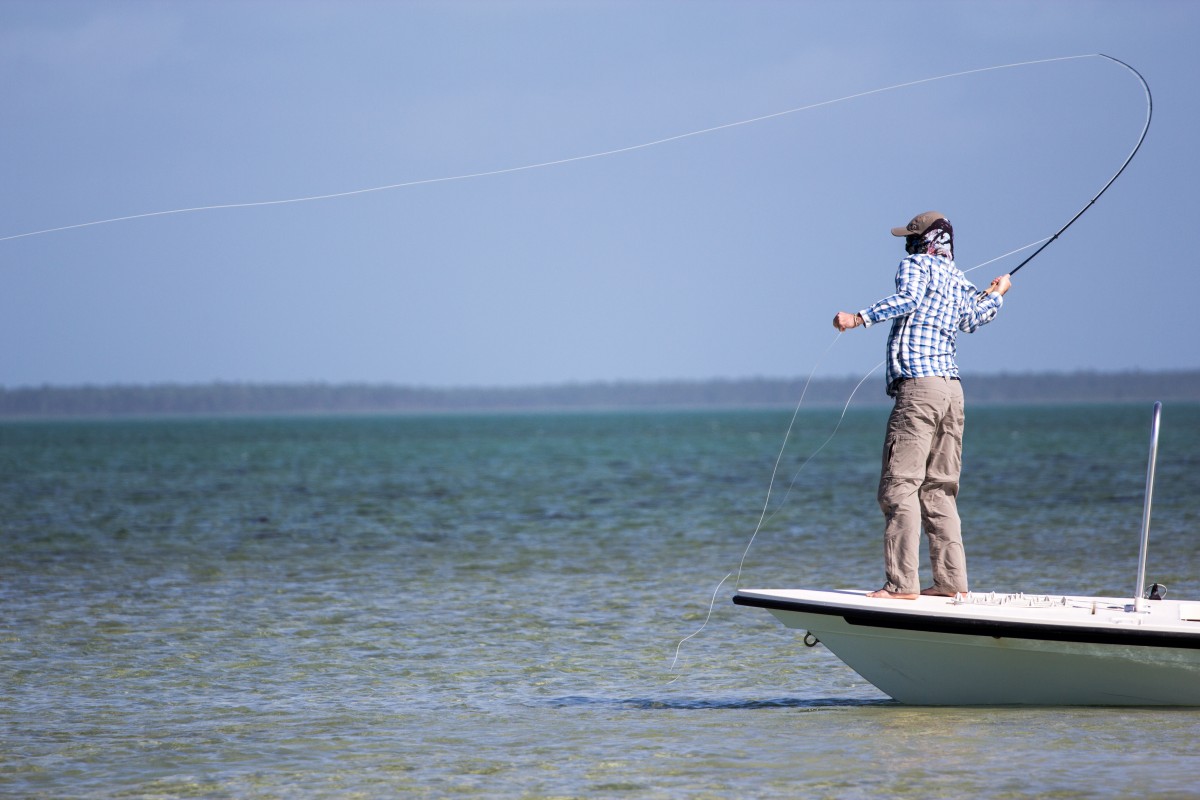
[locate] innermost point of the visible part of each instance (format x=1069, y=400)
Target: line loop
x=544, y=164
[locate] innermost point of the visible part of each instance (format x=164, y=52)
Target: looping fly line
x=1045, y=242
x=573, y=159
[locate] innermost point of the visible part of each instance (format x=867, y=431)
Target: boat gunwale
x=974, y=626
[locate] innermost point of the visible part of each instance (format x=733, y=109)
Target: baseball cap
x=919, y=224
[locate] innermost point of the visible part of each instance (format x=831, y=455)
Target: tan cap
x=919, y=224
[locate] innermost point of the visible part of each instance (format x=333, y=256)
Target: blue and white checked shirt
x=932, y=303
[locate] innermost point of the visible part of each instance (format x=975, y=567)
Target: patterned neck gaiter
x=939, y=240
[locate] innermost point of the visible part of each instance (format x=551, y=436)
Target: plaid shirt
x=932, y=303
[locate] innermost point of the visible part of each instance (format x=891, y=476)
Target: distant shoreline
x=221, y=398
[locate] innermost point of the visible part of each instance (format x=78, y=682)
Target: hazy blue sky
x=723, y=255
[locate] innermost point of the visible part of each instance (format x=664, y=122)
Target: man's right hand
x=1000, y=285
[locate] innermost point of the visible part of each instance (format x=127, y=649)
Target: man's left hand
x=844, y=321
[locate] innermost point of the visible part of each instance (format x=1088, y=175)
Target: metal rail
x=1138, y=600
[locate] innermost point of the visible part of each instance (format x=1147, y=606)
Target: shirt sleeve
x=912, y=279
x=980, y=312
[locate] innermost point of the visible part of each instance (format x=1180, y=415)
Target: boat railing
x=1138, y=599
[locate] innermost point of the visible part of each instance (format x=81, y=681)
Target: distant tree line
x=323, y=398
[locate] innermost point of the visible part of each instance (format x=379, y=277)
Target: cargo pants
x=918, y=485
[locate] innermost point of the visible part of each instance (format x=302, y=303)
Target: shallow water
x=492, y=606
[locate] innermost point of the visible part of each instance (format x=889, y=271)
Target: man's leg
x=938, y=495
x=906, y=445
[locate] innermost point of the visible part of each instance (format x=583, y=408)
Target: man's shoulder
x=924, y=263
x=940, y=264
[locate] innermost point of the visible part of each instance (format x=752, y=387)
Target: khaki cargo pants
x=918, y=485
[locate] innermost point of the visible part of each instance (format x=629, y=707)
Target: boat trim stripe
x=998, y=629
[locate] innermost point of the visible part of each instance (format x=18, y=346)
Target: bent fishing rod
x=1142, y=138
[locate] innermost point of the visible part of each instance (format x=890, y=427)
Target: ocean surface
x=497, y=606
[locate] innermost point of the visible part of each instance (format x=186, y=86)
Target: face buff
x=938, y=240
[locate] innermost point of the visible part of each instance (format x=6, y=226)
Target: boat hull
x=935, y=652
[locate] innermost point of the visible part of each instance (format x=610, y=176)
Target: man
x=922, y=451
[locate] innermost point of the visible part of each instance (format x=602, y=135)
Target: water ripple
x=715, y=703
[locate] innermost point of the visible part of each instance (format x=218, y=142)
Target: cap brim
x=902, y=232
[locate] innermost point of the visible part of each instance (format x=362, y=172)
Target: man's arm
x=984, y=309
x=911, y=280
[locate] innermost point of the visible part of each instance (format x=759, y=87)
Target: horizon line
x=562, y=383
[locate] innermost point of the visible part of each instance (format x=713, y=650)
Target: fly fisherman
x=922, y=451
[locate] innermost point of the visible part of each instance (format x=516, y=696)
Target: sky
x=718, y=255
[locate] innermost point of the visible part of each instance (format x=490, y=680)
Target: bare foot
x=886, y=595
x=933, y=591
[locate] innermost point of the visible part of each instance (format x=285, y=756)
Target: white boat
x=1003, y=650
x=989, y=649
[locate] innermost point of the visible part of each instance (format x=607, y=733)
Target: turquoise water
x=491, y=606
